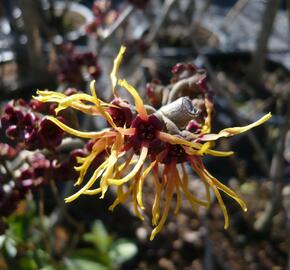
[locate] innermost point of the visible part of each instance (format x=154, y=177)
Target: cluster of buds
x=24, y=124
x=38, y=170
x=104, y=16
x=9, y=195
x=72, y=65
x=14, y=190
x=167, y=139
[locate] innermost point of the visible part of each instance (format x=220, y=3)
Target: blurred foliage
x=29, y=242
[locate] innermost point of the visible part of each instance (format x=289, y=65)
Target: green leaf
x=81, y=264
x=122, y=250
x=99, y=237
x=47, y=267
x=94, y=255
x=27, y=264
x=10, y=247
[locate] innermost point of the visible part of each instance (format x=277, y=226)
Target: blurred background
x=244, y=46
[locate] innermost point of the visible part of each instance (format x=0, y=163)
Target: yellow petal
x=140, y=183
x=143, y=155
x=98, y=147
x=206, y=128
x=134, y=195
x=69, y=100
x=184, y=185
x=227, y=190
x=203, y=149
x=168, y=199
x=97, y=173
x=114, y=73
x=105, y=114
x=112, y=160
x=166, y=137
x=228, y=132
x=156, y=203
x=219, y=153
x=211, y=152
x=140, y=108
x=82, y=134
x=126, y=131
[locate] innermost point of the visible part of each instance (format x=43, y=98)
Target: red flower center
x=147, y=130
x=121, y=116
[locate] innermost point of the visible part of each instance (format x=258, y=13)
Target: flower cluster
x=24, y=124
x=72, y=64
x=137, y=144
x=38, y=170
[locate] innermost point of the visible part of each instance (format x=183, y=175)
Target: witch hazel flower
x=137, y=144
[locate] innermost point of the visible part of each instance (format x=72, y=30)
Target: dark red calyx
x=174, y=153
x=122, y=114
x=147, y=130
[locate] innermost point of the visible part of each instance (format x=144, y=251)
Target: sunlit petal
x=97, y=173
x=140, y=108
x=129, y=176
x=228, y=132
x=114, y=73
x=140, y=183
x=168, y=199
x=81, y=134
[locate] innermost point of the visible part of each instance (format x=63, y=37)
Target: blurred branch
x=63, y=208
x=288, y=12
x=203, y=11
x=259, y=55
x=46, y=238
x=153, y=32
x=261, y=154
x=167, y=7
x=115, y=26
x=233, y=13
x=37, y=62
x=263, y=224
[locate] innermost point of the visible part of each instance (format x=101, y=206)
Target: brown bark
x=36, y=58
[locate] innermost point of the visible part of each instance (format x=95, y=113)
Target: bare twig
x=46, y=238
x=63, y=208
x=115, y=26
x=233, y=13
x=168, y=5
x=259, y=56
x=263, y=224
x=288, y=12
